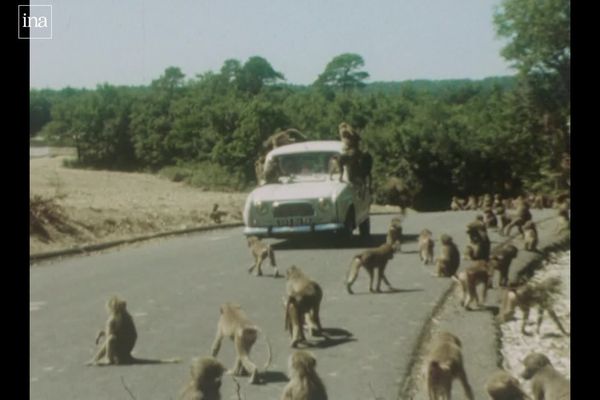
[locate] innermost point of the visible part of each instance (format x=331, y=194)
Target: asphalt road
x=174, y=287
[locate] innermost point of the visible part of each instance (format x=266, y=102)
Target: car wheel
x=365, y=228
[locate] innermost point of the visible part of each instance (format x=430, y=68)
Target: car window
x=304, y=163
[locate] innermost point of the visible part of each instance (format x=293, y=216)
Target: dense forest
x=440, y=138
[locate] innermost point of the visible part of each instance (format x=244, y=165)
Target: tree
x=255, y=73
x=539, y=45
x=343, y=72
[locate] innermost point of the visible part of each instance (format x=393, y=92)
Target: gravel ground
x=557, y=347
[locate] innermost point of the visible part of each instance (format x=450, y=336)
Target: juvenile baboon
x=234, y=324
x=469, y=279
x=394, y=234
x=503, y=386
x=374, y=261
x=528, y=295
x=444, y=364
x=305, y=383
x=487, y=202
x=260, y=252
x=471, y=203
x=455, y=204
x=426, y=246
x=546, y=382
x=449, y=260
x=334, y=166
x=500, y=261
x=217, y=214
x=531, y=236
x=302, y=304
x=521, y=216
x=489, y=218
x=479, y=242
x=119, y=336
x=205, y=381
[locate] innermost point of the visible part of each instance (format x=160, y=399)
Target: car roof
x=304, y=147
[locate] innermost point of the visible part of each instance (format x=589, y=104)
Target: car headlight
x=324, y=203
x=261, y=207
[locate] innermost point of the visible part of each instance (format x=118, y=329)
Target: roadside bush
x=206, y=175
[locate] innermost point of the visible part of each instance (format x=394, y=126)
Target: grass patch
x=205, y=175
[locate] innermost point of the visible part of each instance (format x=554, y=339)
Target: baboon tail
x=288, y=323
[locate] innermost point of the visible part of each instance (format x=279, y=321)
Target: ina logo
x=35, y=22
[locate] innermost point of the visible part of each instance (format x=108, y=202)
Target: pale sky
x=132, y=42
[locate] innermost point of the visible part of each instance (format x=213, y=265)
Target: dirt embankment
x=74, y=207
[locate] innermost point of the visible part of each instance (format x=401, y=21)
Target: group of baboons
x=353, y=162
x=445, y=360
x=302, y=302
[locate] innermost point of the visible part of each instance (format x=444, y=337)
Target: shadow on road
x=272, y=377
x=395, y=290
x=332, y=242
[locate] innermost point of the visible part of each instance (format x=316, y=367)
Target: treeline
x=498, y=135
x=466, y=138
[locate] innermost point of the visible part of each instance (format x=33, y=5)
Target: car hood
x=298, y=190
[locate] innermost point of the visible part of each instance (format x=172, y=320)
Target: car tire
x=365, y=228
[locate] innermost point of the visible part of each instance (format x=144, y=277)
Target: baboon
x=374, y=261
x=539, y=201
x=473, y=276
x=234, y=324
x=503, y=386
x=348, y=136
x=546, y=382
x=394, y=234
x=449, y=260
x=303, y=300
x=487, y=202
x=283, y=138
x=479, y=246
x=528, y=295
x=531, y=236
x=500, y=261
x=120, y=336
x=497, y=201
x=272, y=171
x=455, y=204
x=503, y=219
x=521, y=216
x=259, y=169
x=444, y=364
x=358, y=166
x=260, y=252
x=205, y=382
x=471, y=203
x=489, y=218
x=217, y=214
x=305, y=383
x=334, y=166
x=426, y=246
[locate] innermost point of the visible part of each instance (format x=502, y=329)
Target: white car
x=305, y=199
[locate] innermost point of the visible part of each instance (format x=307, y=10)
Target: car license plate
x=296, y=221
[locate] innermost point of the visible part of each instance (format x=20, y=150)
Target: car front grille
x=294, y=210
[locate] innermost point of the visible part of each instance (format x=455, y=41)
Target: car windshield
x=298, y=164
